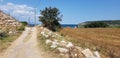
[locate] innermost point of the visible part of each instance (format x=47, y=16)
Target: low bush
x=96, y=25
x=3, y=35
x=21, y=28
x=24, y=23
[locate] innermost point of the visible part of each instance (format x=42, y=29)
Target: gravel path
x=24, y=47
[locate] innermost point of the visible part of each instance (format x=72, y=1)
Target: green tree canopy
x=50, y=18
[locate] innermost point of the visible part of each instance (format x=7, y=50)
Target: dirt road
x=24, y=47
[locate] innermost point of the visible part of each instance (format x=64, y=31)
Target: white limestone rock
x=49, y=33
x=46, y=36
x=96, y=54
x=48, y=41
x=54, y=44
x=1, y=31
x=69, y=45
x=42, y=33
x=55, y=40
x=75, y=55
x=63, y=43
x=41, y=27
x=88, y=53
x=10, y=32
x=62, y=50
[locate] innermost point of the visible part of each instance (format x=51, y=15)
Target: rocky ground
x=65, y=48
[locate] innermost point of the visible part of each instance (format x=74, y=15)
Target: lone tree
x=50, y=18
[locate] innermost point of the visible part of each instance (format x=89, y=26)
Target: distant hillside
x=109, y=22
x=7, y=22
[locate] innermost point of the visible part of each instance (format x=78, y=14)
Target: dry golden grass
x=105, y=40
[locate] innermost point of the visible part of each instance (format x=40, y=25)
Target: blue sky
x=73, y=11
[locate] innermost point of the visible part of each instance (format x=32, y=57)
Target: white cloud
x=23, y=12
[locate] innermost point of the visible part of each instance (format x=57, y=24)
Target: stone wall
x=8, y=22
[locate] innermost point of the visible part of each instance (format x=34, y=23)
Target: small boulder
x=41, y=27
x=96, y=54
x=69, y=45
x=88, y=53
x=54, y=44
x=10, y=32
x=48, y=41
x=42, y=32
x=63, y=50
x=63, y=43
x=46, y=36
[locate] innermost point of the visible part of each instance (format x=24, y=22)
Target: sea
x=63, y=25
x=69, y=25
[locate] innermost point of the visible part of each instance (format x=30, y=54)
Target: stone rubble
x=88, y=53
x=48, y=41
x=69, y=45
x=8, y=23
x=54, y=44
x=62, y=50
x=96, y=54
x=66, y=48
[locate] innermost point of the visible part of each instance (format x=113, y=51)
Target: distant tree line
x=96, y=25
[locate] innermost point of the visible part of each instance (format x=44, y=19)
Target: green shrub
x=118, y=26
x=21, y=28
x=24, y=23
x=3, y=35
x=96, y=25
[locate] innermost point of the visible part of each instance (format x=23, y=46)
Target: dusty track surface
x=24, y=47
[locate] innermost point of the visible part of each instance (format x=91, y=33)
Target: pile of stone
x=65, y=48
x=6, y=21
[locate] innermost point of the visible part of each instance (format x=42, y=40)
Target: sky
x=73, y=11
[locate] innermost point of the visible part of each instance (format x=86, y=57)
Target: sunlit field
x=105, y=40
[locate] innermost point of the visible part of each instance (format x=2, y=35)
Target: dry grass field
x=105, y=40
